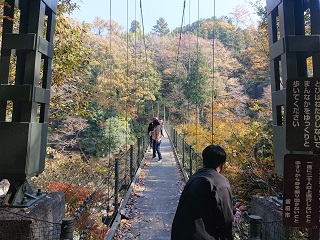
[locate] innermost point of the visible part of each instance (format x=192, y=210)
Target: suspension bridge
x=154, y=198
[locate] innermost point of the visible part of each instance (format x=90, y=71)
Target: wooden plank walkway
x=154, y=198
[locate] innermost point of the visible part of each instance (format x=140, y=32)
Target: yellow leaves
x=254, y=106
x=233, y=132
x=120, y=71
x=196, y=136
x=71, y=54
x=225, y=25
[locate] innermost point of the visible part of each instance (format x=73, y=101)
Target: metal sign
x=301, y=204
x=303, y=114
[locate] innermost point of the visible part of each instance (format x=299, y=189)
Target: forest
x=108, y=80
x=212, y=75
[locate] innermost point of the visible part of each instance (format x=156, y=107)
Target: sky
x=152, y=10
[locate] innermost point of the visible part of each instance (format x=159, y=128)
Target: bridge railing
x=190, y=161
x=103, y=204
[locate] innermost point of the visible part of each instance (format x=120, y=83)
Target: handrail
x=190, y=161
x=119, y=178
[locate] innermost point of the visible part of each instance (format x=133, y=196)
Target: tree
x=196, y=87
x=260, y=9
x=64, y=6
x=161, y=27
x=240, y=16
x=135, y=26
x=99, y=26
x=71, y=58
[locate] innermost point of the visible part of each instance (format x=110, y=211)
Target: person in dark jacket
x=205, y=209
x=150, y=129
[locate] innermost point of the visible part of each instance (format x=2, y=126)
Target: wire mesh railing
x=99, y=206
x=112, y=189
x=17, y=225
x=190, y=161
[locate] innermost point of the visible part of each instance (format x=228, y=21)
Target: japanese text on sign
x=303, y=114
x=301, y=191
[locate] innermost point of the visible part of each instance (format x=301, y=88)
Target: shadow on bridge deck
x=154, y=199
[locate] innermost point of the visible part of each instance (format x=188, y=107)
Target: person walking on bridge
x=205, y=209
x=150, y=129
x=156, y=139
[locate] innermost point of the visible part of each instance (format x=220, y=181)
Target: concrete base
x=39, y=221
x=271, y=214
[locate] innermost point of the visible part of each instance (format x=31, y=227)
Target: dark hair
x=155, y=122
x=213, y=156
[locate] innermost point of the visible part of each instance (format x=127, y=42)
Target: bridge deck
x=154, y=199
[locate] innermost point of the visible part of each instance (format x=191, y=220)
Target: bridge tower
x=294, y=40
x=294, y=44
x=25, y=79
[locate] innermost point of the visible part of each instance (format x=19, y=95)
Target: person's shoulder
x=206, y=172
x=197, y=182
x=214, y=177
x=202, y=175
x=221, y=181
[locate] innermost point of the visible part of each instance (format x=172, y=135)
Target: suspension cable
x=213, y=71
x=127, y=84
x=135, y=48
x=145, y=52
x=197, y=74
x=143, y=34
x=188, y=70
x=189, y=52
x=180, y=36
x=135, y=37
x=110, y=80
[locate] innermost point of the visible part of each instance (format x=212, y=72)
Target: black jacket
x=150, y=127
x=205, y=208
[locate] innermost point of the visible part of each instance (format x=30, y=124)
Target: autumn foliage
x=107, y=84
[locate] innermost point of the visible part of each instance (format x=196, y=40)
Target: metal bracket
x=20, y=195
